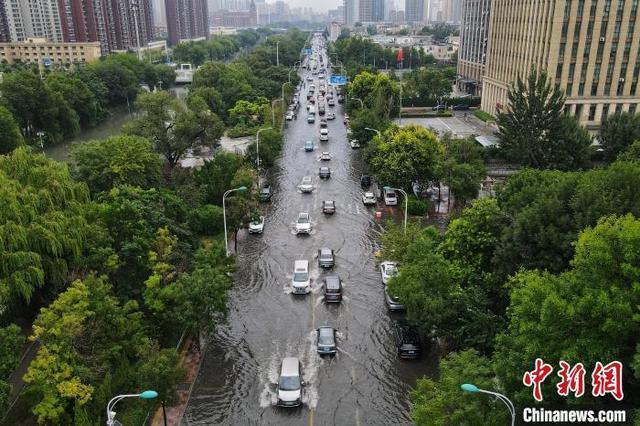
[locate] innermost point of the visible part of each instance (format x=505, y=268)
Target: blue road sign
x=338, y=80
x=307, y=51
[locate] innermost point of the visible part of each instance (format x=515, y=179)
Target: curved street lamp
x=111, y=415
x=406, y=203
x=224, y=214
x=468, y=387
x=378, y=132
x=358, y=99
x=258, y=150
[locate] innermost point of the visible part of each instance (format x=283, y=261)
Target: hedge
x=472, y=101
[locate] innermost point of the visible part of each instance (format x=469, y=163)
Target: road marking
x=357, y=417
x=311, y=414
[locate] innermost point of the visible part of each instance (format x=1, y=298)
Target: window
x=632, y=108
x=596, y=72
x=592, y=113
x=572, y=70
x=605, y=111
x=607, y=89
x=620, y=88
x=581, y=89
x=618, y=108
x=578, y=110
x=569, y=89
x=574, y=50
x=594, y=89
x=614, y=49
x=587, y=50
x=559, y=71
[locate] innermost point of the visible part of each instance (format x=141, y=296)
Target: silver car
x=290, y=383
x=306, y=185
x=393, y=303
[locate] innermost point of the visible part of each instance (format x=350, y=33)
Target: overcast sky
x=317, y=5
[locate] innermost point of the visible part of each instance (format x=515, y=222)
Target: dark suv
x=265, y=193
x=407, y=341
x=333, y=289
x=328, y=206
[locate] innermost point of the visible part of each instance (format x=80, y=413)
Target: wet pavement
x=365, y=383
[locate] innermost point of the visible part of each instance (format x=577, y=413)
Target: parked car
x=303, y=224
x=324, y=135
x=325, y=156
x=290, y=383
x=309, y=78
x=323, y=123
x=340, y=99
x=326, y=259
x=354, y=144
x=321, y=110
x=330, y=116
x=326, y=340
x=306, y=185
x=311, y=118
x=301, y=281
x=265, y=193
x=331, y=102
x=289, y=116
x=407, y=341
x=332, y=289
x=328, y=207
x=439, y=108
x=257, y=226
x=390, y=197
x=324, y=172
x=346, y=119
x=388, y=269
x=460, y=107
x=365, y=181
x=393, y=303
x=369, y=199
x=308, y=146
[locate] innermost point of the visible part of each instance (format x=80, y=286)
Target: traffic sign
x=307, y=51
x=338, y=80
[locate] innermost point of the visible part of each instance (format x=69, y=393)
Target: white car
x=290, y=383
x=390, y=197
x=324, y=135
x=330, y=116
x=303, y=224
x=306, y=185
x=368, y=199
x=325, y=156
x=388, y=269
x=257, y=226
x=289, y=115
x=301, y=281
x=354, y=144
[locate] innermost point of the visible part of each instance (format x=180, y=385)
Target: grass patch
x=483, y=115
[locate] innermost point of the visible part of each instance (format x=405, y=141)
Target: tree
x=405, y=155
x=442, y=402
x=618, y=132
x=632, y=153
x=270, y=148
x=462, y=168
x=77, y=94
x=377, y=91
x=119, y=160
x=42, y=225
x=570, y=146
x=211, y=97
x=363, y=119
x=427, y=83
x=532, y=128
x=172, y=128
x=10, y=137
x=9, y=359
x=599, y=291
x=249, y=114
x=215, y=175
x=121, y=83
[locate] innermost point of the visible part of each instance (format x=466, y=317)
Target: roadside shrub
x=417, y=207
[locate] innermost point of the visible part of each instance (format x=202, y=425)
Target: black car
x=460, y=107
x=407, y=341
x=326, y=341
x=265, y=193
x=365, y=181
x=439, y=108
x=324, y=172
x=333, y=289
x=328, y=206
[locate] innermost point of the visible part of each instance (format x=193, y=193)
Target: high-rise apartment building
x=474, y=36
x=371, y=10
x=414, y=11
x=33, y=18
x=186, y=19
x=590, y=48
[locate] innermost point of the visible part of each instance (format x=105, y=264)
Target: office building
x=351, y=12
x=237, y=18
x=371, y=10
x=588, y=48
x=474, y=35
x=414, y=11
x=42, y=52
x=186, y=19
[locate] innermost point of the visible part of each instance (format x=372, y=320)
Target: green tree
x=462, y=168
x=427, y=83
x=119, y=160
x=599, y=290
x=77, y=94
x=216, y=175
x=270, y=148
x=121, y=83
x=211, y=97
x=442, y=402
x=172, y=128
x=10, y=136
x=405, y=155
x=533, y=132
x=632, y=153
x=249, y=114
x=618, y=132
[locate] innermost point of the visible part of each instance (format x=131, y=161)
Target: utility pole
x=278, y=53
x=135, y=8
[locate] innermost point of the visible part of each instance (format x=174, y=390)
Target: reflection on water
x=111, y=126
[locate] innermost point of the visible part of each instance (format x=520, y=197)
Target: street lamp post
x=358, y=99
x=111, y=415
x=373, y=130
x=467, y=387
x=277, y=53
x=224, y=214
x=406, y=202
x=258, y=151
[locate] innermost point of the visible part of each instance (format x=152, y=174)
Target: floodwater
x=365, y=383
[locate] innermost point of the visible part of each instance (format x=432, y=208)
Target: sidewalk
x=190, y=360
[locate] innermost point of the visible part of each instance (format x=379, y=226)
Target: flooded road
x=365, y=383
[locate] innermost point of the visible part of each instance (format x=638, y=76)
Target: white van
x=290, y=383
x=301, y=282
x=390, y=197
